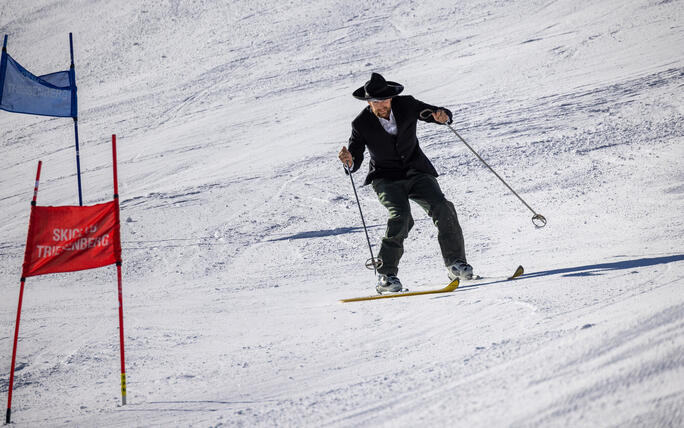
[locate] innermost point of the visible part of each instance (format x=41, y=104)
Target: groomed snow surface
x=241, y=232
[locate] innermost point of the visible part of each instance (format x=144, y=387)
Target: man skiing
x=399, y=171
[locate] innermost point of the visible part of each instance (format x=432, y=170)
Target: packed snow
x=241, y=232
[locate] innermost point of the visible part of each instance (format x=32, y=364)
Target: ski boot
x=460, y=270
x=388, y=284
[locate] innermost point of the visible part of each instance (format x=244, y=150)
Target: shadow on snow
x=599, y=269
x=591, y=270
x=324, y=233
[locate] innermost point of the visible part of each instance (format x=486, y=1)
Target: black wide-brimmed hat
x=377, y=88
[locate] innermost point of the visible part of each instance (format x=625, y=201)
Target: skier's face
x=381, y=108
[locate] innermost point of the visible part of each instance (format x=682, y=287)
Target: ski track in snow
x=241, y=231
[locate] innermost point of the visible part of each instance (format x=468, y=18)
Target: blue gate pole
x=72, y=78
x=3, y=64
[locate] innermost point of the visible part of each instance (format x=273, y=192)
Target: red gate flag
x=71, y=238
x=67, y=239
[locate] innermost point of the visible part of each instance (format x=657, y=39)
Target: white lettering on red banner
x=64, y=239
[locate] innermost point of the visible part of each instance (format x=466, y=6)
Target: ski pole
x=538, y=220
x=372, y=262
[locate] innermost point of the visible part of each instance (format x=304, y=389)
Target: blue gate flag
x=53, y=94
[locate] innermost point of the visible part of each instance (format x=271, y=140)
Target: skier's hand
x=346, y=157
x=440, y=116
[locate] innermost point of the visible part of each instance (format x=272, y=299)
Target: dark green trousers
x=423, y=189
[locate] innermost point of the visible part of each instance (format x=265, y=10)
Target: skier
x=399, y=171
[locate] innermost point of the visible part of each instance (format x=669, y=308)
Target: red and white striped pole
x=118, y=276
x=21, y=298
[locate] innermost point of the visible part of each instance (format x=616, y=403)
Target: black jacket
x=391, y=156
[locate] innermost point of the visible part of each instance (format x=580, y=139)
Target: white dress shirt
x=389, y=125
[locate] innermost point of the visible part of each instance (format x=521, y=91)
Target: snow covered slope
x=241, y=231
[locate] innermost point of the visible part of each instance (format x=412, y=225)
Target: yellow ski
x=519, y=271
x=449, y=288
